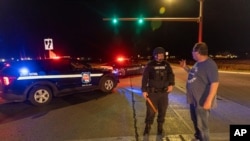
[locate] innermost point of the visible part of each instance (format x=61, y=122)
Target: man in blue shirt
x=202, y=85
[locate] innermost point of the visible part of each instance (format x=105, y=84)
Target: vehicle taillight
x=7, y=80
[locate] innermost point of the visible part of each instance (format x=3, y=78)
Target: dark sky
x=77, y=27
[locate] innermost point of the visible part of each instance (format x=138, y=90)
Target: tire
x=40, y=95
x=107, y=84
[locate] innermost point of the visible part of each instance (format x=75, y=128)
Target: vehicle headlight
x=115, y=71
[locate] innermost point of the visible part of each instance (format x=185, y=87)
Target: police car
x=124, y=67
x=38, y=81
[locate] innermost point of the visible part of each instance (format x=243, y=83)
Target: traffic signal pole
x=200, y=21
x=173, y=19
x=157, y=19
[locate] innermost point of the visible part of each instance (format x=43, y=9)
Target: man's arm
x=170, y=77
x=212, y=92
x=145, y=77
x=144, y=82
x=184, y=65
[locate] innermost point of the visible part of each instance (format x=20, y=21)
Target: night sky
x=77, y=27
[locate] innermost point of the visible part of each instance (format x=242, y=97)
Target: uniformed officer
x=157, y=82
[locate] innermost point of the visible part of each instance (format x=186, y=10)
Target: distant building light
x=26, y=58
x=228, y=56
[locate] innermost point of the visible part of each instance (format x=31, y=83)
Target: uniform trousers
x=160, y=101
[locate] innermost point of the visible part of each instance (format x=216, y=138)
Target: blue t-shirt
x=200, y=77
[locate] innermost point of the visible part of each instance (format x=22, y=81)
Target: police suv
x=38, y=81
x=124, y=67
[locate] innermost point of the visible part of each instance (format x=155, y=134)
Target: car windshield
x=119, y=63
x=80, y=65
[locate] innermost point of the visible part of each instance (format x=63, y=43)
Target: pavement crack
x=134, y=112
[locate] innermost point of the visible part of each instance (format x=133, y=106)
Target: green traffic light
x=114, y=21
x=140, y=21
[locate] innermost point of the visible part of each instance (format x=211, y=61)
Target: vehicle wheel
x=40, y=95
x=107, y=84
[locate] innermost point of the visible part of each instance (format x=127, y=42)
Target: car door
x=85, y=79
x=132, y=68
x=64, y=75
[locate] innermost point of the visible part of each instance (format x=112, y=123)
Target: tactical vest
x=158, y=76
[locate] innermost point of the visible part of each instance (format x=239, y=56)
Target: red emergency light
x=120, y=59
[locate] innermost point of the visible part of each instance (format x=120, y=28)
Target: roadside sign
x=48, y=44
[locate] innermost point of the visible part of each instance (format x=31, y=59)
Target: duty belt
x=156, y=90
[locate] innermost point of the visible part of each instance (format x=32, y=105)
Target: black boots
x=147, y=129
x=160, y=129
x=146, y=132
x=160, y=132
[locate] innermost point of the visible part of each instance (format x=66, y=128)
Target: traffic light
x=140, y=21
x=114, y=21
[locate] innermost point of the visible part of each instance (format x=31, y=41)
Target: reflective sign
x=48, y=43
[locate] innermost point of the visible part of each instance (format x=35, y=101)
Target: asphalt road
x=119, y=116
